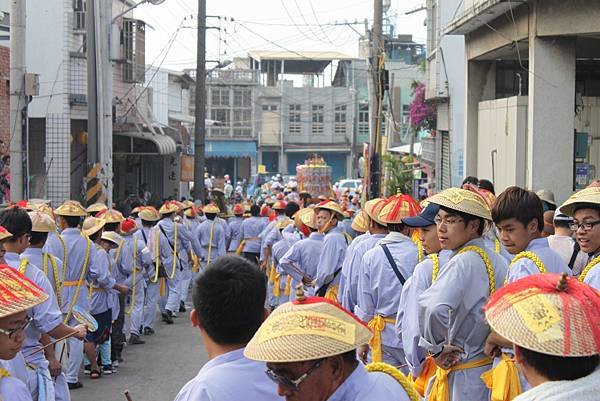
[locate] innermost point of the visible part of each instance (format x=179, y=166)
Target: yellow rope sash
x=134, y=277
x=288, y=286
x=503, y=380
x=64, y=245
x=57, y=284
x=174, y=252
x=377, y=325
x=589, y=267
x=156, y=257
x=440, y=390
x=497, y=245
x=527, y=255
x=488, y=264
x=81, y=277
x=435, y=272
x=210, y=239
x=23, y=266
x=396, y=374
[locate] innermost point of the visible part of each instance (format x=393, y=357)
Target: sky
x=265, y=25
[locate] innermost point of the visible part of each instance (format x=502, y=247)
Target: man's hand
x=493, y=343
x=54, y=367
x=124, y=290
x=307, y=281
x=80, y=331
x=362, y=353
x=450, y=356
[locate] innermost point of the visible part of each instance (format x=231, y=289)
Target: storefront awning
x=165, y=145
x=230, y=149
x=406, y=149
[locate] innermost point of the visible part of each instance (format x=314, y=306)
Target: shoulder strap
x=392, y=263
x=144, y=235
x=576, y=250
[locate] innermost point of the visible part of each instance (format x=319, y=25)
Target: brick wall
x=4, y=99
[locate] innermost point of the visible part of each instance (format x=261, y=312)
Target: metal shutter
x=445, y=161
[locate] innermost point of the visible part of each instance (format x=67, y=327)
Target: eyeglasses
x=293, y=384
x=587, y=226
x=13, y=332
x=447, y=221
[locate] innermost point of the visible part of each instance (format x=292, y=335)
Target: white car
x=351, y=184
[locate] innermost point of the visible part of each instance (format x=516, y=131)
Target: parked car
x=351, y=184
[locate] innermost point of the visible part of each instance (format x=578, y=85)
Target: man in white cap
x=563, y=243
x=309, y=346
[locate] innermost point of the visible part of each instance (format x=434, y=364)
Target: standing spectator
x=5, y=179
x=144, y=194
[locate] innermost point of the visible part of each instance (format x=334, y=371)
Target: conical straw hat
x=585, y=196
x=463, y=201
x=17, y=292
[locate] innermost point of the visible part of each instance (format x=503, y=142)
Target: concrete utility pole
x=200, y=114
x=375, y=99
x=17, y=96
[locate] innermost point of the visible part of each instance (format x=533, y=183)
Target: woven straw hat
x=549, y=314
x=47, y=210
x=283, y=223
x=27, y=205
x=136, y=210
x=128, y=227
x=149, y=213
x=588, y=195
x=359, y=223
x=211, y=208
x=92, y=225
x=187, y=204
x=4, y=234
x=71, y=208
x=96, y=207
x=41, y=222
x=111, y=216
x=332, y=207
x=191, y=212
x=17, y=292
x=487, y=196
x=111, y=236
x=374, y=207
x=463, y=201
x=306, y=329
x=398, y=207
x=279, y=205
x=169, y=207
x=305, y=216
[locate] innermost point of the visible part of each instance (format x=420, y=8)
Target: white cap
x=559, y=216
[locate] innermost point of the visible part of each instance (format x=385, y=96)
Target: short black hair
x=229, y=297
x=16, y=221
x=562, y=224
x=291, y=208
x=487, y=185
x=580, y=206
x=381, y=226
x=555, y=368
x=520, y=204
x=396, y=227
x=95, y=236
x=466, y=217
x=255, y=210
x=38, y=238
x=470, y=180
x=210, y=216
x=111, y=226
x=72, y=221
x=146, y=223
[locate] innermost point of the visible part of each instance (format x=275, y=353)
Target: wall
x=4, y=98
x=588, y=121
x=270, y=127
x=159, y=82
x=503, y=127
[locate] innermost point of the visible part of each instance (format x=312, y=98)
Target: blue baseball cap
x=425, y=219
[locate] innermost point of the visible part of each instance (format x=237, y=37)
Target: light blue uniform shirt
x=45, y=316
x=203, y=237
x=453, y=306
x=332, y=256
x=302, y=258
x=35, y=256
x=146, y=258
x=167, y=244
x=251, y=228
x=230, y=377
x=280, y=248
x=593, y=275
x=103, y=299
x=525, y=267
x=235, y=225
x=13, y=387
x=362, y=385
x=407, y=319
x=128, y=260
x=55, y=246
x=378, y=287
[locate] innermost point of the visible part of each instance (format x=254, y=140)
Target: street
x=154, y=371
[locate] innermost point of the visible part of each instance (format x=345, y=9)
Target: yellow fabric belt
x=503, y=380
x=440, y=390
x=240, y=248
x=288, y=286
x=427, y=372
x=276, y=284
x=272, y=273
x=332, y=293
x=377, y=325
x=73, y=283
x=97, y=289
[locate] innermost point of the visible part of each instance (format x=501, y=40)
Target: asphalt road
x=154, y=371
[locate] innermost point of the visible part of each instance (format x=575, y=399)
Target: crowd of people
x=465, y=296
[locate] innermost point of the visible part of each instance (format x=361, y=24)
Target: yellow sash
x=55, y=274
x=435, y=272
x=81, y=280
x=589, y=267
x=332, y=293
x=427, y=372
x=440, y=390
x=288, y=286
x=134, y=277
x=240, y=247
x=503, y=380
x=377, y=325
x=272, y=273
x=276, y=284
x=210, y=239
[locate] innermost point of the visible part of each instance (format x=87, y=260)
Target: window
x=265, y=107
x=273, y=107
x=363, y=120
x=79, y=15
x=242, y=97
x=220, y=115
x=340, y=119
x=133, y=50
x=317, y=119
x=220, y=96
x=295, y=119
x=269, y=107
x=242, y=118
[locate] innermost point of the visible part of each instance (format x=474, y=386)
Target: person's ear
x=532, y=226
x=336, y=364
x=194, y=318
x=473, y=226
x=265, y=314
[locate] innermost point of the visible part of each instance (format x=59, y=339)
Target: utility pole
x=375, y=101
x=17, y=96
x=200, y=114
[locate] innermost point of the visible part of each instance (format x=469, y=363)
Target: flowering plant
x=421, y=113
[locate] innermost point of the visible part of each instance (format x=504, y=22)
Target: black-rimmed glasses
x=293, y=384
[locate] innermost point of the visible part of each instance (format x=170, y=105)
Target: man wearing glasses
x=584, y=207
x=19, y=296
x=229, y=306
x=310, y=345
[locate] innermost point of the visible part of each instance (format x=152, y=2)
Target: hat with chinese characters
x=92, y=225
x=41, y=222
x=307, y=329
x=331, y=206
x=71, y=208
x=111, y=216
x=464, y=201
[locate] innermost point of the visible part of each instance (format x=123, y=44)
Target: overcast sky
x=265, y=25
